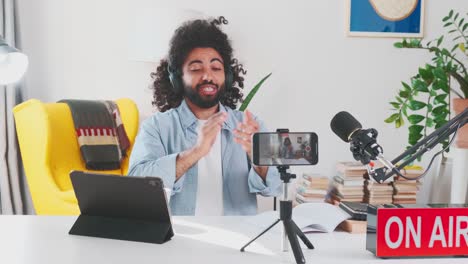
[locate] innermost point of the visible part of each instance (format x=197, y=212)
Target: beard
x=203, y=101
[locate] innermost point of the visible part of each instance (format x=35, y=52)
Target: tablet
x=121, y=207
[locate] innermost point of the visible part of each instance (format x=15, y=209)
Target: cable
x=430, y=163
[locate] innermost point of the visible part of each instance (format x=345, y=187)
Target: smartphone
x=292, y=148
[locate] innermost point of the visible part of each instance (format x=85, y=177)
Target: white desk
x=45, y=239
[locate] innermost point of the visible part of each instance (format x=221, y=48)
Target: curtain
x=14, y=194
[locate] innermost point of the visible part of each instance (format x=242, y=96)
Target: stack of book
x=348, y=183
x=377, y=193
x=405, y=191
x=311, y=188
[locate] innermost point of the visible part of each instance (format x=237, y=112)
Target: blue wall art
x=386, y=18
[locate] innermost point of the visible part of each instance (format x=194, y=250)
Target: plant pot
x=462, y=135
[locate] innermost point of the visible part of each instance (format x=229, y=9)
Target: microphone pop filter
x=344, y=124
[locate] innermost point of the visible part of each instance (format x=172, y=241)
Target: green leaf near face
x=416, y=105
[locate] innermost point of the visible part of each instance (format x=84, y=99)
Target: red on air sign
x=417, y=232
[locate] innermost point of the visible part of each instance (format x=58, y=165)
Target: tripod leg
x=264, y=231
x=302, y=236
x=296, y=247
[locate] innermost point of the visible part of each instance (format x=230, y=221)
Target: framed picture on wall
x=385, y=18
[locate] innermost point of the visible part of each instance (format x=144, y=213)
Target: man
x=197, y=143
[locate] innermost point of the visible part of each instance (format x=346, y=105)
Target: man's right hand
x=208, y=132
x=206, y=138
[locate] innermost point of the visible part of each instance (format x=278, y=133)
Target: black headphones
x=175, y=77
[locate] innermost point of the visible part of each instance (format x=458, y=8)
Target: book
x=309, y=217
x=354, y=226
x=357, y=211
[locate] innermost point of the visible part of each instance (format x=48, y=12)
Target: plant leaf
x=253, y=92
x=404, y=94
x=416, y=105
x=441, y=118
x=440, y=110
x=429, y=107
x=415, y=129
x=462, y=45
x=429, y=122
x=399, y=122
x=448, y=24
x=395, y=104
x=392, y=118
x=406, y=86
x=414, y=119
x=426, y=74
x=414, y=138
x=440, y=98
x=439, y=41
x=420, y=86
x=440, y=74
x=398, y=45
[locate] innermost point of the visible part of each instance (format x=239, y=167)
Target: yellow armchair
x=49, y=150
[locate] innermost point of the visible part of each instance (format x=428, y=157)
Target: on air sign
x=416, y=232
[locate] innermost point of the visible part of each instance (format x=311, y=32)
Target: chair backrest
x=48, y=142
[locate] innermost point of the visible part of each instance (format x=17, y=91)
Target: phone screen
x=293, y=148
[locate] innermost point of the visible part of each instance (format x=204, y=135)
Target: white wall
x=78, y=49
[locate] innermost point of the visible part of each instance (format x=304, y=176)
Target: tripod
x=291, y=230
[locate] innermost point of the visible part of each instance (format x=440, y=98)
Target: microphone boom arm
x=423, y=146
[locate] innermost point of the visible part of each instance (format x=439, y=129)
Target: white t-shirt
x=210, y=181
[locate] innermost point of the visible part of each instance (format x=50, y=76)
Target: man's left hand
x=243, y=136
x=245, y=130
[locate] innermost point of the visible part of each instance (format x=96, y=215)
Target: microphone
x=363, y=143
x=344, y=125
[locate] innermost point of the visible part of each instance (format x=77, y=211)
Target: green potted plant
x=252, y=93
x=425, y=102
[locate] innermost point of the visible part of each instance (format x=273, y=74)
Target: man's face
x=203, y=77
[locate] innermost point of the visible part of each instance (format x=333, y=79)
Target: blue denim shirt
x=164, y=135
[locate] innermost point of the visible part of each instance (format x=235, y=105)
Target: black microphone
x=344, y=125
x=363, y=142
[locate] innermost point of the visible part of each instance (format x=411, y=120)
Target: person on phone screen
x=198, y=143
x=287, y=151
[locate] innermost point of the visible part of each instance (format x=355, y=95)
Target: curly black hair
x=193, y=34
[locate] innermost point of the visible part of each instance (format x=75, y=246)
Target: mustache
x=198, y=87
